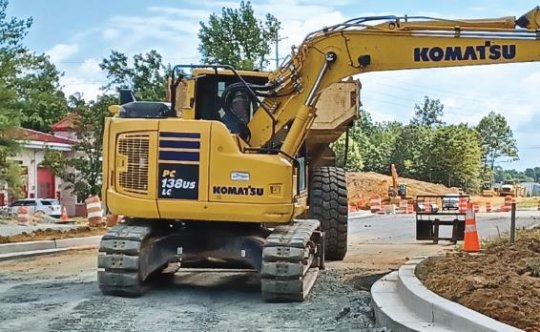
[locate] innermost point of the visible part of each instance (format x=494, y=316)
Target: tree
x=411, y=148
x=455, y=157
x=354, y=158
x=12, y=50
x=380, y=142
x=41, y=100
x=533, y=173
x=146, y=77
x=496, y=139
x=429, y=114
x=237, y=38
x=82, y=172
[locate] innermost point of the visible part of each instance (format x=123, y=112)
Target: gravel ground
x=61, y=294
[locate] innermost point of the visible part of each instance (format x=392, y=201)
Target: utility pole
x=277, y=48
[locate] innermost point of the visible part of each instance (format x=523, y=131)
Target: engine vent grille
x=133, y=170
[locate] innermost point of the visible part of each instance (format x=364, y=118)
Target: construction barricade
x=93, y=209
x=23, y=217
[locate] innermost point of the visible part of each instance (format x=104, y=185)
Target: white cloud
x=86, y=78
x=110, y=34
x=61, y=52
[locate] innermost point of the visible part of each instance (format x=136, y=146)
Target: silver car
x=48, y=206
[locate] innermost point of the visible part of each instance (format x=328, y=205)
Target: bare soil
x=503, y=282
x=363, y=185
x=53, y=234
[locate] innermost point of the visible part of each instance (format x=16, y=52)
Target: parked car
x=451, y=202
x=47, y=206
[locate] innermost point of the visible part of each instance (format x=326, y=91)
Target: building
x=531, y=188
x=39, y=181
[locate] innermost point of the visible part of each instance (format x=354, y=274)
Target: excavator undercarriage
x=136, y=253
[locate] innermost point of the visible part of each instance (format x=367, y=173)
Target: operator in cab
x=238, y=117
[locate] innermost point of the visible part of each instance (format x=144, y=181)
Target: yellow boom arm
x=354, y=47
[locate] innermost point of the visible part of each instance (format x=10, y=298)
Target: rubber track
x=329, y=205
x=287, y=273
x=118, y=260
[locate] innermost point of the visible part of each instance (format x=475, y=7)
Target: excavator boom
x=359, y=46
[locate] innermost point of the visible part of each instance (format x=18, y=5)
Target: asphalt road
x=59, y=292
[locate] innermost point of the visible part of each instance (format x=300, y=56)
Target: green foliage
x=455, y=157
x=425, y=149
x=533, y=173
x=33, y=78
x=429, y=114
x=12, y=33
x=496, y=140
x=41, y=100
x=238, y=38
x=530, y=174
x=12, y=50
x=146, y=77
x=82, y=171
x=354, y=157
x=412, y=146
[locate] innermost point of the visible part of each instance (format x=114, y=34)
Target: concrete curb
x=360, y=214
x=34, y=248
x=402, y=303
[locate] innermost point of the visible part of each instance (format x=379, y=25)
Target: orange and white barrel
x=375, y=204
x=410, y=208
x=403, y=204
x=508, y=200
x=23, y=217
x=476, y=208
x=489, y=208
x=94, y=212
x=463, y=205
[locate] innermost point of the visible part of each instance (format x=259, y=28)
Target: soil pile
x=362, y=186
x=503, y=284
x=53, y=234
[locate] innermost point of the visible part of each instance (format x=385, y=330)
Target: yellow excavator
x=226, y=174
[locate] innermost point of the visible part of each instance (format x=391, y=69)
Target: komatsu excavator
x=228, y=173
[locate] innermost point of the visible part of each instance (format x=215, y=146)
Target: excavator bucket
x=530, y=20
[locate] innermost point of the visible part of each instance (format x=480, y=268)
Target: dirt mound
x=503, y=284
x=362, y=186
x=52, y=234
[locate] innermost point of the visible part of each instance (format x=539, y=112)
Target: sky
x=77, y=34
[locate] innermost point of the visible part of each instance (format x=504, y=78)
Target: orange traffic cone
x=64, y=217
x=472, y=241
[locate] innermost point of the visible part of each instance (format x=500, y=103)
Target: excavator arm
x=359, y=46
